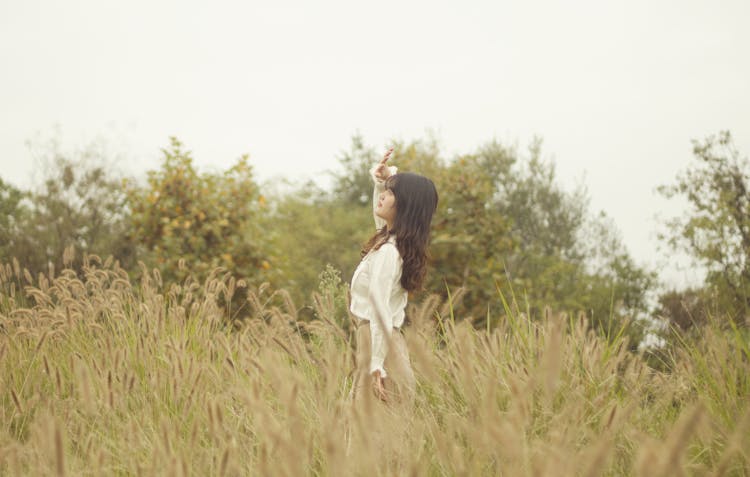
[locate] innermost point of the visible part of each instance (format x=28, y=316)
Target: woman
x=393, y=264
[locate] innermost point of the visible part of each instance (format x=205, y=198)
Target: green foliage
x=471, y=239
x=13, y=215
x=614, y=285
x=353, y=185
x=189, y=223
x=716, y=229
x=546, y=261
x=688, y=308
x=316, y=228
x=546, y=219
x=502, y=218
x=332, y=298
x=312, y=229
x=79, y=204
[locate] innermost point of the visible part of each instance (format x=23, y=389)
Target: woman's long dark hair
x=416, y=201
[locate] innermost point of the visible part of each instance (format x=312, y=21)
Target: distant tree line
x=715, y=232
x=505, y=232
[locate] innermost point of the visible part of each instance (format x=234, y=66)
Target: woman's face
x=386, y=207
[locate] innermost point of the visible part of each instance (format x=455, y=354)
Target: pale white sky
x=617, y=89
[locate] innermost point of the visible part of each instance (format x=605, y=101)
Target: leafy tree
x=686, y=309
x=316, y=228
x=503, y=220
x=614, y=285
x=547, y=260
x=78, y=204
x=13, y=214
x=352, y=183
x=190, y=223
x=471, y=240
x=716, y=229
x=313, y=231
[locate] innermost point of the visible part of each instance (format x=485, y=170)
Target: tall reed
x=104, y=375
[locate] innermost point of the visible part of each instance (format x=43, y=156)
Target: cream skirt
x=400, y=385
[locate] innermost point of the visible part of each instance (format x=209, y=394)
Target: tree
x=471, y=238
x=503, y=220
x=188, y=223
x=311, y=231
x=685, y=309
x=79, y=203
x=715, y=231
x=352, y=183
x=547, y=259
x=13, y=214
x=316, y=228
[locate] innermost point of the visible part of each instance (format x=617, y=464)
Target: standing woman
x=393, y=264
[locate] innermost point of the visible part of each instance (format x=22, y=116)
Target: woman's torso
x=360, y=290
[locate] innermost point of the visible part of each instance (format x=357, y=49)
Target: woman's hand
x=381, y=171
x=378, y=386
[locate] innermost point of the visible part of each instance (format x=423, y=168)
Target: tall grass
x=101, y=375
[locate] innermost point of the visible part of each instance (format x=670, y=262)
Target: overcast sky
x=616, y=89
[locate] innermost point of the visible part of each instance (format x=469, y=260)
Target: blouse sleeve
x=386, y=265
x=379, y=187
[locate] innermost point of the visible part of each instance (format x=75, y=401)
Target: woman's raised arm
x=380, y=172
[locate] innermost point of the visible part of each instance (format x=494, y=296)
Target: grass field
x=101, y=375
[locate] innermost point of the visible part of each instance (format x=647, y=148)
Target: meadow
x=102, y=373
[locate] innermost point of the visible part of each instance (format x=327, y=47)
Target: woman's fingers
x=379, y=387
x=386, y=156
x=380, y=392
x=382, y=170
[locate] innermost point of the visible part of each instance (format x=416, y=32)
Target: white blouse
x=377, y=294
